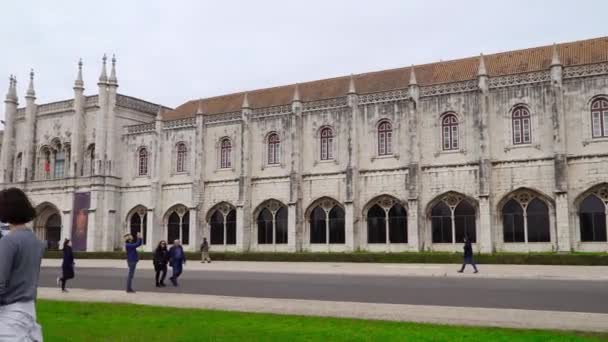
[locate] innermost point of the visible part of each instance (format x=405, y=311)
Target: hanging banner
x=80, y=220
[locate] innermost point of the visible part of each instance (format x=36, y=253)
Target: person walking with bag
x=20, y=257
x=161, y=258
x=177, y=259
x=67, y=266
x=205, y=251
x=132, y=258
x=468, y=255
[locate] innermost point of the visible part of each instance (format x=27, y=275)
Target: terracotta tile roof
x=499, y=64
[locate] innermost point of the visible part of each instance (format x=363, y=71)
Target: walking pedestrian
x=132, y=258
x=161, y=258
x=177, y=259
x=67, y=266
x=20, y=257
x=468, y=255
x=205, y=251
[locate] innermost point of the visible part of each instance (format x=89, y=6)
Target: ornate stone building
x=509, y=149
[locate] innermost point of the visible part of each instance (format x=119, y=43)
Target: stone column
x=66, y=223
x=154, y=230
x=485, y=226
x=351, y=212
x=413, y=183
x=485, y=164
x=8, y=139
x=413, y=231
x=240, y=229
x=244, y=202
x=349, y=233
x=291, y=226
x=27, y=163
x=296, y=209
x=195, y=242
x=562, y=231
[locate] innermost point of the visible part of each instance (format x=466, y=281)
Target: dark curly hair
x=15, y=207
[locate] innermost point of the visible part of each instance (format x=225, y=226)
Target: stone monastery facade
x=509, y=150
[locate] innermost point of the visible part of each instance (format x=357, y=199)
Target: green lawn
x=70, y=321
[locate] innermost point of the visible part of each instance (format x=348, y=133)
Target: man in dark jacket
x=205, y=251
x=132, y=258
x=468, y=255
x=177, y=258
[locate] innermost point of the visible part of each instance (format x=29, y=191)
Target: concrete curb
x=508, y=318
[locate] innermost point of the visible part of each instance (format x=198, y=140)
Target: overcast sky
x=172, y=51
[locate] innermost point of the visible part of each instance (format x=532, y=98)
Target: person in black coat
x=161, y=259
x=468, y=255
x=67, y=266
x=177, y=259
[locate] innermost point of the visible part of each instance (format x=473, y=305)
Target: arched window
x=143, y=162
x=225, y=153
x=376, y=225
x=385, y=138
x=592, y=215
x=139, y=224
x=599, y=117
x=274, y=149
x=449, y=129
x=181, y=158
x=327, y=144
x=525, y=218
x=223, y=226
x=59, y=168
x=178, y=226
x=272, y=224
x=521, y=126
x=387, y=222
x=89, y=161
x=327, y=223
x=46, y=163
x=453, y=219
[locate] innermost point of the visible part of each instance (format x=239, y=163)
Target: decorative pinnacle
x=351, y=85
x=246, y=101
x=113, y=79
x=199, y=110
x=159, y=114
x=296, y=94
x=413, y=76
x=78, y=84
x=482, y=66
x=30, y=89
x=12, y=88
x=555, y=61
x=103, y=78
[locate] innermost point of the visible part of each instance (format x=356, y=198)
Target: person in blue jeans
x=468, y=255
x=132, y=258
x=177, y=258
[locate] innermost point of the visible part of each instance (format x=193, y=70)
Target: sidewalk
x=509, y=318
x=592, y=273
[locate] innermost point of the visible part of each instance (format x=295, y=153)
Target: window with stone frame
x=272, y=223
x=386, y=222
x=599, y=118
x=449, y=132
x=274, y=149
x=139, y=224
x=385, y=138
x=143, y=162
x=181, y=156
x=525, y=218
x=593, y=216
x=327, y=144
x=178, y=225
x=327, y=223
x=222, y=224
x=453, y=219
x=520, y=123
x=89, y=166
x=225, y=153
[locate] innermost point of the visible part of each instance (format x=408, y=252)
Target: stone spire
x=103, y=78
x=482, y=66
x=113, y=80
x=296, y=93
x=412, y=76
x=555, y=58
x=246, y=101
x=9, y=92
x=79, y=84
x=12, y=89
x=160, y=112
x=199, y=109
x=30, y=89
x=351, y=85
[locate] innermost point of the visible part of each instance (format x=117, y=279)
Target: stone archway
x=47, y=225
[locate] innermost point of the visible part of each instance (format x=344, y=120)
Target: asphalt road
x=555, y=295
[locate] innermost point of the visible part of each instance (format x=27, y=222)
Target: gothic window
x=521, y=126
x=593, y=214
x=223, y=226
x=139, y=224
x=387, y=221
x=385, y=138
x=143, y=162
x=599, y=117
x=449, y=129
x=225, y=153
x=89, y=166
x=178, y=225
x=453, y=219
x=327, y=223
x=46, y=163
x=59, y=167
x=327, y=144
x=18, y=162
x=181, y=157
x=274, y=149
x=525, y=219
x=272, y=224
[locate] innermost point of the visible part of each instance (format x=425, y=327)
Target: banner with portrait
x=80, y=220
